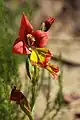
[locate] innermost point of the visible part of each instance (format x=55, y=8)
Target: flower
x=16, y=95
x=20, y=99
x=28, y=38
x=47, y=24
x=32, y=42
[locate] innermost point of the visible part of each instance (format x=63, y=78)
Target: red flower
x=20, y=99
x=48, y=23
x=28, y=38
x=16, y=95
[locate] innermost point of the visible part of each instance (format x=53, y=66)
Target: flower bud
x=47, y=24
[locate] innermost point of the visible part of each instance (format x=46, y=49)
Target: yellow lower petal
x=52, y=69
x=40, y=55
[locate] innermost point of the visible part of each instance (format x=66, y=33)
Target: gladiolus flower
x=18, y=96
x=32, y=42
x=28, y=38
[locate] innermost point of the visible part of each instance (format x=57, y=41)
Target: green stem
x=29, y=114
x=34, y=82
x=33, y=94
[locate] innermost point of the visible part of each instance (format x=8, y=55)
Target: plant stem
x=29, y=114
x=34, y=82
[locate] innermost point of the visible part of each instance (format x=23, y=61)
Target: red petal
x=48, y=57
x=16, y=95
x=12, y=98
x=20, y=47
x=25, y=27
x=41, y=38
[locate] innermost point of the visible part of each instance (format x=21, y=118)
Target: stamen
x=30, y=39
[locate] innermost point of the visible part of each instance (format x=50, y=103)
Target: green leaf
x=28, y=67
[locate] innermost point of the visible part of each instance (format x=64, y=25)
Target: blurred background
x=64, y=39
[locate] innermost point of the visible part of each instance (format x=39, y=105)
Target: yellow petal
x=40, y=56
x=52, y=69
x=34, y=57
